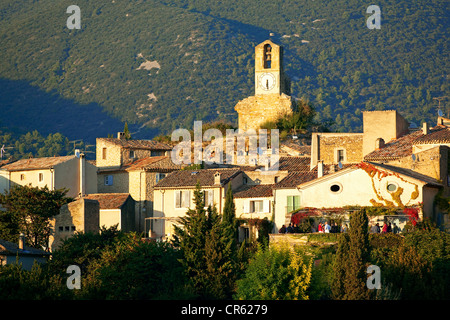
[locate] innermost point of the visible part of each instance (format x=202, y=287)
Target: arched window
x=267, y=56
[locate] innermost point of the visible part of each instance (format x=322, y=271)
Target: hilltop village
x=136, y=185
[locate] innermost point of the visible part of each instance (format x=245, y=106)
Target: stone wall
x=81, y=215
x=330, y=143
x=387, y=125
x=255, y=110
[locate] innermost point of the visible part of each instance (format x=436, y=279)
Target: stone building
x=173, y=196
x=71, y=172
x=81, y=215
x=271, y=99
x=379, y=127
x=116, y=152
x=134, y=167
x=138, y=179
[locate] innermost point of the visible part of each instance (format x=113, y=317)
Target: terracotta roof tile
x=189, y=178
x=438, y=134
x=254, y=191
x=402, y=147
x=109, y=200
x=294, y=163
x=293, y=179
x=36, y=163
x=138, y=144
x=395, y=149
x=153, y=163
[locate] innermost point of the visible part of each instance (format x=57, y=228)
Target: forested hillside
x=162, y=64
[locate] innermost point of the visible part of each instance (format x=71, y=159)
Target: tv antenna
x=439, y=99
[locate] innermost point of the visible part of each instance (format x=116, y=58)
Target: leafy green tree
x=29, y=210
x=133, y=269
x=38, y=283
x=276, y=273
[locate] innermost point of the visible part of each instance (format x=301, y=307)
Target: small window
x=104, y=154
x=335, y=188
x=293, y=203
x=61, y=229
x=132, y=154
x=41, y=177
x=391, y=187
x=276, y=179
x=22, y=177
x=182, y=198
x=208, y=197
x=108, y=180
x=160, y=176
x=340, y=155
x=72, y=228
x=245, y=180
x=67, y=228
x=256, y=206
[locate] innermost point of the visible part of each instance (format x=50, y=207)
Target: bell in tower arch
x=267, y=56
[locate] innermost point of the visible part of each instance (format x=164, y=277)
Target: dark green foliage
x=33, y=144
x=36, y=284
x=276, y=273
x=83, y=248
x=205, y=53
x=131, y=269
x=207, y=242
x=352, y=257
x=28, y=211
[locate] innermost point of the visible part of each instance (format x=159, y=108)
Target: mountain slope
x=164, y=64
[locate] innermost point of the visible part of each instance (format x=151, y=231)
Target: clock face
x=267, y=81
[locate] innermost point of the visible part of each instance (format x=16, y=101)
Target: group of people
x=292, y=228
x=323, y=227
x=331, y=228
x=386, y=228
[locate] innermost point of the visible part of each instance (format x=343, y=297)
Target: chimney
x=21, y=241
x=82, y=176
x=425, y=128
x=320, y=169
x=120, y=135
x=379, y=143
x=217, y=178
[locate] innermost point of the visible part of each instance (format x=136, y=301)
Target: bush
x=275, y=274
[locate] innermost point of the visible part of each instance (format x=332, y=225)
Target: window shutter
x=177, y=199
x=296, y=202
x=266, y=206
x=187, y=198
x=246, y=206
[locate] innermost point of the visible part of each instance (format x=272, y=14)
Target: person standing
x=327, y=227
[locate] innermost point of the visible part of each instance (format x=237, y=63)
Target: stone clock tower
x=270, y=100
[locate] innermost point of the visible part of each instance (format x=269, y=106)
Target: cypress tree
x=190, y=237
x=208, y=242
x=352, y=259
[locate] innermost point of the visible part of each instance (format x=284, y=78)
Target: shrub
x=276, y=273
